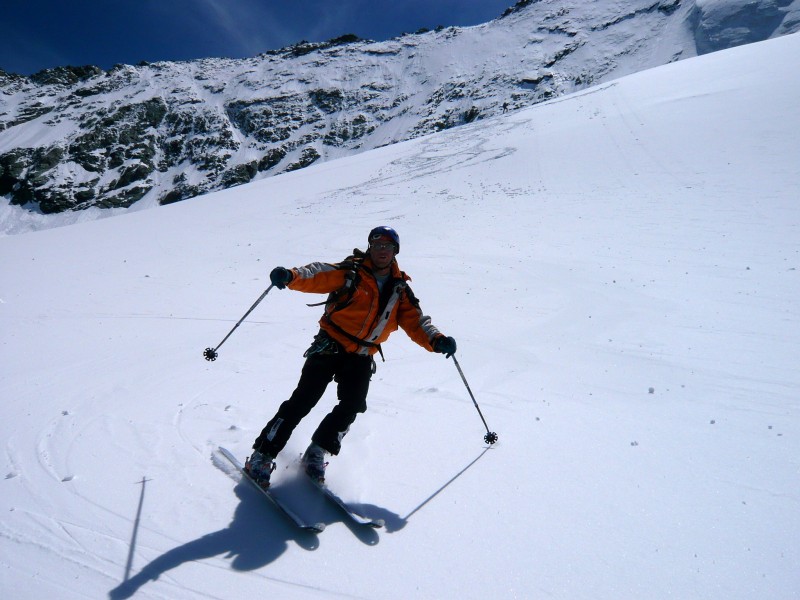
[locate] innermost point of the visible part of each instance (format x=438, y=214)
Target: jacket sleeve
x=317, y=277
x=417, y=325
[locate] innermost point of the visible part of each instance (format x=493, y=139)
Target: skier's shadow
x=255, y=537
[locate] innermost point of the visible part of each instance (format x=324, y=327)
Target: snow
x=619, y=268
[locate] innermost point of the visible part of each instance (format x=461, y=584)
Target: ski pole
x=491, y=436
x=211, y=353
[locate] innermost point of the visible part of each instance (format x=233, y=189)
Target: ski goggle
x=384, y=231
x=383, y=246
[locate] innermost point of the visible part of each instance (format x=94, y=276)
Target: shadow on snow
x=239, y=541
x=249, y=550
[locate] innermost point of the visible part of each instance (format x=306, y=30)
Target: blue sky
x=39, y=34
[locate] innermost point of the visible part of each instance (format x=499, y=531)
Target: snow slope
x=619, y=268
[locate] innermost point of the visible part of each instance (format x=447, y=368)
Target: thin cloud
x=244, y=24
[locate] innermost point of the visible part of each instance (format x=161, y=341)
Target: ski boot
x=260, y=466
x=314, y=463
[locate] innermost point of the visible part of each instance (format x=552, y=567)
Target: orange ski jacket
x=368, y=317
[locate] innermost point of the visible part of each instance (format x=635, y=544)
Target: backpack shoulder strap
x=340, y=298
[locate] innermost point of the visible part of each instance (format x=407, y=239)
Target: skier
x=368, y=298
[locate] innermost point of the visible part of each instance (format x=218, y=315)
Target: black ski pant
x=352, y=373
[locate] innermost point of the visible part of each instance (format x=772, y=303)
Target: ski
x=348, y=510
x=279, y=504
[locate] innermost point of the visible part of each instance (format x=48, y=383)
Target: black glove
x=280, y=276
x=444, y=345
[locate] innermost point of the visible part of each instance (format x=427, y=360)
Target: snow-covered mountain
x=73, y=138
x=620, y=268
